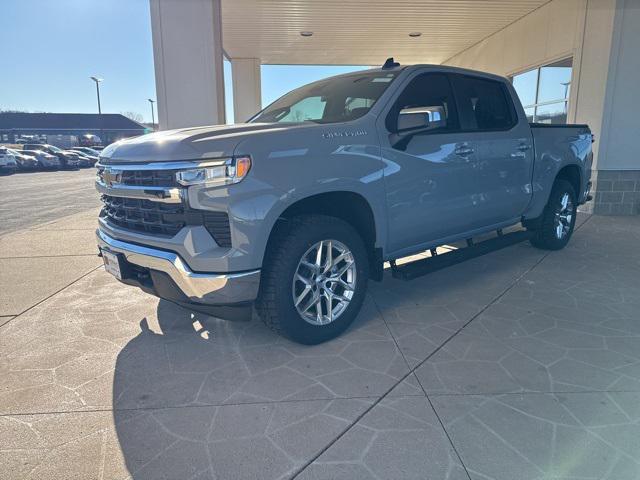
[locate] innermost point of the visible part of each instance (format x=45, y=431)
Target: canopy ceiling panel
x=362, y=32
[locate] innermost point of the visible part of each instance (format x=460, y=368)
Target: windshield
x=53, y=148
x=334, y=100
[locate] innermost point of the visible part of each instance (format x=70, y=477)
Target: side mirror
x=414, y=120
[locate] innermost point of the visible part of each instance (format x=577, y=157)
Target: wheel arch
x=350, y=206
x=571, y=173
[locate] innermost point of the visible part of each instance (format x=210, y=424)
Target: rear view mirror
x=420, y=119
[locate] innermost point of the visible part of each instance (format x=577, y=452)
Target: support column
x=187, y=52
x=610, y=71
x=247, y=91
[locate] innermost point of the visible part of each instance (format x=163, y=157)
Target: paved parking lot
x=32, y=198
x=518, y=365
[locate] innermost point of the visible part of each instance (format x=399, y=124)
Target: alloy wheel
x=324, y=282
x=564, y=216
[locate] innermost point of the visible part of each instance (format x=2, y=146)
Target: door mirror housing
x=419, y=119
x=416, y=120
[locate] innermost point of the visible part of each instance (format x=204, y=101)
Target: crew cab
x=296, y=210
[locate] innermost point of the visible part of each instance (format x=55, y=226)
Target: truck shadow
x=172, y=377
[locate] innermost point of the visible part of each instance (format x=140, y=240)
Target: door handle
x=523, y=147
x=463, y=151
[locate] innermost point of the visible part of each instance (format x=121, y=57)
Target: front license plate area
x=112, y=264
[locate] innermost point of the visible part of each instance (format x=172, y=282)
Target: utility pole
x=153, y=118
x=98, y=80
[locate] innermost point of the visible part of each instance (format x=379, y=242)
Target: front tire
x=558, y=220
x=314, y=279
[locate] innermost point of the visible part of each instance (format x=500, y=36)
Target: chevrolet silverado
x=294, y=211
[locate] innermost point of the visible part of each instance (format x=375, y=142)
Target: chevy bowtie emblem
x=111, y=176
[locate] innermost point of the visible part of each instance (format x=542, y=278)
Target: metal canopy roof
x=362, y=32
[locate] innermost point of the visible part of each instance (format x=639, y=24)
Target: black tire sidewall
x=546, y=237
x=302, y=237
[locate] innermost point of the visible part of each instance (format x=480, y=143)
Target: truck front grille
x=144, y=178
x=165, y=219
x=150, y=178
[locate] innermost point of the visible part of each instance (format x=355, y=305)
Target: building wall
x=549, y=33
x=621, y=122
x=603, y=37
x=618, y=176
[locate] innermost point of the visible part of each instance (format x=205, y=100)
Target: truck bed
x=557, y=145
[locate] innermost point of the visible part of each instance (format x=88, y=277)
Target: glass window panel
x=426, y=90
x=356, y=106
x=555, y=81
x=310, y=108
x=530, y=112
x=483, y=102
x=554, y=113
x=325, y=101
x=525, y=85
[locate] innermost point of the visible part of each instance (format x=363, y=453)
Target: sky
x=51, y=56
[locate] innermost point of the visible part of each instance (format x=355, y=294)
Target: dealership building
x=571, y=61
x=58, y=128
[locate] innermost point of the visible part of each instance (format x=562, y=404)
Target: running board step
x=424, y=266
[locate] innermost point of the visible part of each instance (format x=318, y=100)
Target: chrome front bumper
x=202, y=288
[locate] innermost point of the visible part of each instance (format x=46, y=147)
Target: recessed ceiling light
x=415, y=34
x=306, y=33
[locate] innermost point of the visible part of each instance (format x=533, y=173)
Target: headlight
x=222, y=172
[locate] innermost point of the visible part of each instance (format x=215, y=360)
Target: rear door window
x=483, y=103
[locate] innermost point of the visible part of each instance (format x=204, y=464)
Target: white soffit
x=362, y=32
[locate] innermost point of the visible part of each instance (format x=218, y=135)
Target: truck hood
x=189, y=143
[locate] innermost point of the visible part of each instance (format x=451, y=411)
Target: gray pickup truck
x=294, y=211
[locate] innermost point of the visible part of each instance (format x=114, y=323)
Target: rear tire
x=295, y=276
x=555, y=227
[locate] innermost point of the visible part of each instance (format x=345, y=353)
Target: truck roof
x=440, y=68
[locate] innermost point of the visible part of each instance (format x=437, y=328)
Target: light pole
x=153, y=118
x=98, y=80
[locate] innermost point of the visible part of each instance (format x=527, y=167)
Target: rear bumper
x=166, y=275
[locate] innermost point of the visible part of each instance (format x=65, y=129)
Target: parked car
x=88, y=140
x=86, y=159
x=24, y=161
x=68, y=160
x=8, y=163
x=87, y=151
x=298, y=208
x=45, y=160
